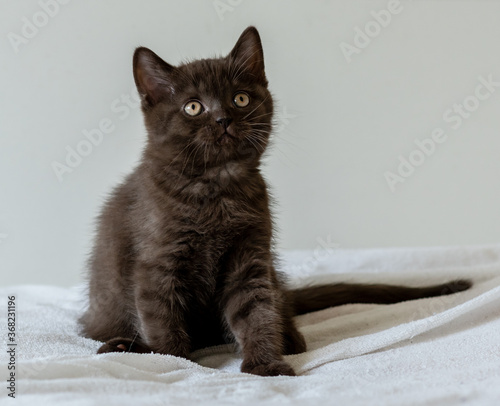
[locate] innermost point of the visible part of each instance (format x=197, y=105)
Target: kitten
x=182, y=258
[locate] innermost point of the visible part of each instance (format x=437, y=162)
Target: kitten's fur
x=182, y=258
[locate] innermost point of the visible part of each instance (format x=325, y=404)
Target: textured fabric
x=438, y=351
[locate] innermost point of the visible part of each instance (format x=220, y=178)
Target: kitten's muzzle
x=224, y=138
x=224, y=122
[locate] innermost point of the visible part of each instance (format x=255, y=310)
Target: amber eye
x=241, y=99
x=193, y=108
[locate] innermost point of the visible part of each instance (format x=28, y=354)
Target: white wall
x=349, y=121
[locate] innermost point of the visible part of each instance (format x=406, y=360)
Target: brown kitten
x=182, y=258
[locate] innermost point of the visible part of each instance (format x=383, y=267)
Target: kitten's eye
x=241, y=99
x=193, y=108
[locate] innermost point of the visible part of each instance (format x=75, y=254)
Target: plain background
x=341, y=125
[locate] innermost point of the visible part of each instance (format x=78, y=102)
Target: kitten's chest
x=219, y=223
x=202, y=230
x=222, y=201
x=201, y=220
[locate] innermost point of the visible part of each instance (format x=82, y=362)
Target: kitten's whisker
x=255, y=141
x=179, y=154
x=250, y=122
x=205, y=159
x=260, y=115
x=254, y=144
x=198, y=148
x=260, y=104
x=260, y=131
x=133, y=341
x=274, y=134
x=186, y=161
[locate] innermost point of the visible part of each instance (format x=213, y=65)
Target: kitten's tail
x=312, y=298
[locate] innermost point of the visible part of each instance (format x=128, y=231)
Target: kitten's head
x=209, y=111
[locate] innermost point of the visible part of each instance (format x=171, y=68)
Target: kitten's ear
x=153, y=77
x=248, y=54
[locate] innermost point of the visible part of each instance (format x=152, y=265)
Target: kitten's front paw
x=275, y=368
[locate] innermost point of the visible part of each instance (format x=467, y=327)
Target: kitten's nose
x=224, y=121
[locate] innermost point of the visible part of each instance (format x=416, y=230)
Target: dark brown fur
x=182, y=258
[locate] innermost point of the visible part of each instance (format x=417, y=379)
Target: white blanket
x=438, y=351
